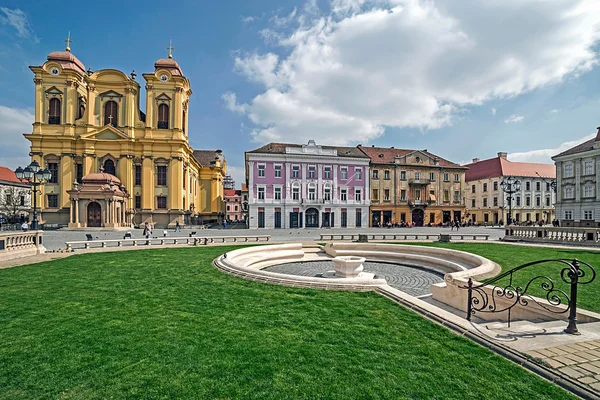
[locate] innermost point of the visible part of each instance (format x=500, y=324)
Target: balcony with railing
x=419, y=182
x=417, y=203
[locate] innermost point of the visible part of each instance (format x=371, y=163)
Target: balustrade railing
x=12, y=242
x=553, y=234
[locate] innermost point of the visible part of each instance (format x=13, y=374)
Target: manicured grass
x=166, y=324
x=511, y=256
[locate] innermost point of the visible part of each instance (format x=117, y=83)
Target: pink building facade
x=233, y=205
x=307, y=186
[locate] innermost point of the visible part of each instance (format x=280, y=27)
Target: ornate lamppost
x=35, y=176
x=510, y=185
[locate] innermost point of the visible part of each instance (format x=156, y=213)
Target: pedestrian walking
x=25, y=226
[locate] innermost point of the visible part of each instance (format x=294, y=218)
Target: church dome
x=170, y=65
x=67, y=60
x=100, y=177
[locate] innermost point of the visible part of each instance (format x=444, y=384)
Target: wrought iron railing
x=485, y=297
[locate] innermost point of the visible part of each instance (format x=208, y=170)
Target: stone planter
x=348, y=266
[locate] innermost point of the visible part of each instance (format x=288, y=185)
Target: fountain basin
x=348, y=266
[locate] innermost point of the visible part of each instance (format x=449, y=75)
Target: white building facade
x=578, y=186
x=307, y=186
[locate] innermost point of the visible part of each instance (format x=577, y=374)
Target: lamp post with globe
x=510, y=185
x=35, y=176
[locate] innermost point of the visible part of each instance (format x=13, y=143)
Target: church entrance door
x=417, y=217
x=94, y=218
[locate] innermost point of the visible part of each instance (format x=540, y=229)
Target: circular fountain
x=348, y=266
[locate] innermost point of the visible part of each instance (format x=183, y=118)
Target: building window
x=261, y=193
x=568, y=214
x=161, y=202
x=79, y=172
x=278, y=171
x=456, y=178
x=228, y=207
x=54, y=112
x=261, y=171
x=344, y=173
x=312, y=193
x=538, y=186
x=568, y=170
x=296, y=171
x=235, y=208
x=518, y=199
x=527, y=201
x=295, y=192
x=485, y=187
x=109, y=167
x=161, y=175
x=52, y=201
x=485, y=201
x=386, y=194
x=472, y=188
x=183, y=121
x=569, y=193
x=375, y=174
x=495, y=202
x=446, y=177
x=344, y=195
x=588, y=215
x=22, y=201
x=358, y=174
x=472, y=203
x=403, y=195
x=538, y=201
x=138, y=201
x=163, y=116
x=138, y=175
x=375, y=196
x=277, y=193
x=358, y=218
x=588, y=168
x=403, y=175
x=547, y=186
x=111, y=110
x=548, y=201
x=456, y=196
x=327, y=172
x=418, y=194
x=417, y=176
x=53, y=168
x=327, y=193
x=431, y=176
x=588, y=191
x=312, y=172
x=495, y=185
x=446, y=196
x=386, y=174
x=527, y=185
x=357, y=194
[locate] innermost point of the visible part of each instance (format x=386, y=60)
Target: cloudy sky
x=461, y=79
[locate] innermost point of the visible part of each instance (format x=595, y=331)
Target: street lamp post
x=35, y=176
x=510, y=185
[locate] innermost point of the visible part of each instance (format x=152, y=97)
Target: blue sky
x=461, y=81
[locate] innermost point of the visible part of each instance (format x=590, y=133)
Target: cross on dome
x=170, y=48
x=68, y=42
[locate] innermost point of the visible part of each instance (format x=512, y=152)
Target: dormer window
x=111, y=110
x=163, y=116
x=54, y=112
x=109, y=167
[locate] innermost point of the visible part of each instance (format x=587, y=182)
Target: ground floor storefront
x=415, y=216
x=308, y=217
x=499, y=216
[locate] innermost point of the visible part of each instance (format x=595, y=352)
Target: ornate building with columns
x=90, y=133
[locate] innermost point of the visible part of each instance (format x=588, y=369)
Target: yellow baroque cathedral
x=113, y=165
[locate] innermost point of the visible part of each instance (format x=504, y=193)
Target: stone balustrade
x=20, y=244
x=161, y=241
x=588, y=236
x=404, y=236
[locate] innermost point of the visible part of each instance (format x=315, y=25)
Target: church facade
x=90, y=122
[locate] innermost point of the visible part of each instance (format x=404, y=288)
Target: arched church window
x=111, y=110
x=163, y=116
x=54, y=112
x=109, y=167
x=183, y=123
x=81, y=108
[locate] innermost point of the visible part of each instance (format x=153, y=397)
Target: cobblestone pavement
x=55, y=240
x=580, y=361
x=411, y=280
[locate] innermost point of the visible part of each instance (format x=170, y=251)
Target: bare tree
x=14, y=201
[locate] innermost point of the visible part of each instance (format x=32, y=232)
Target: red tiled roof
x=230, y=192
x=384, y=155
x=498, y=166
x=7, y=175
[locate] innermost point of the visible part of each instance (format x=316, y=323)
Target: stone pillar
x=77, y=211
x=71, y=210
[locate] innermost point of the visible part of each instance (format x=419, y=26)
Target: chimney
x=598, y=134
x=502, y=154
x=475, y=160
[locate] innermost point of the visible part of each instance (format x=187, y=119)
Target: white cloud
x=494, y=110
x=367, y=65
x=281, y=22
x=554, y=111
x=19, y=21
x=249, y=19
x=513, y=119
x=231, y=103
x=14, y=150
x=544, y=155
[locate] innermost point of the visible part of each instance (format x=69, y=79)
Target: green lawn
x=511, y=256
x=166, y=324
